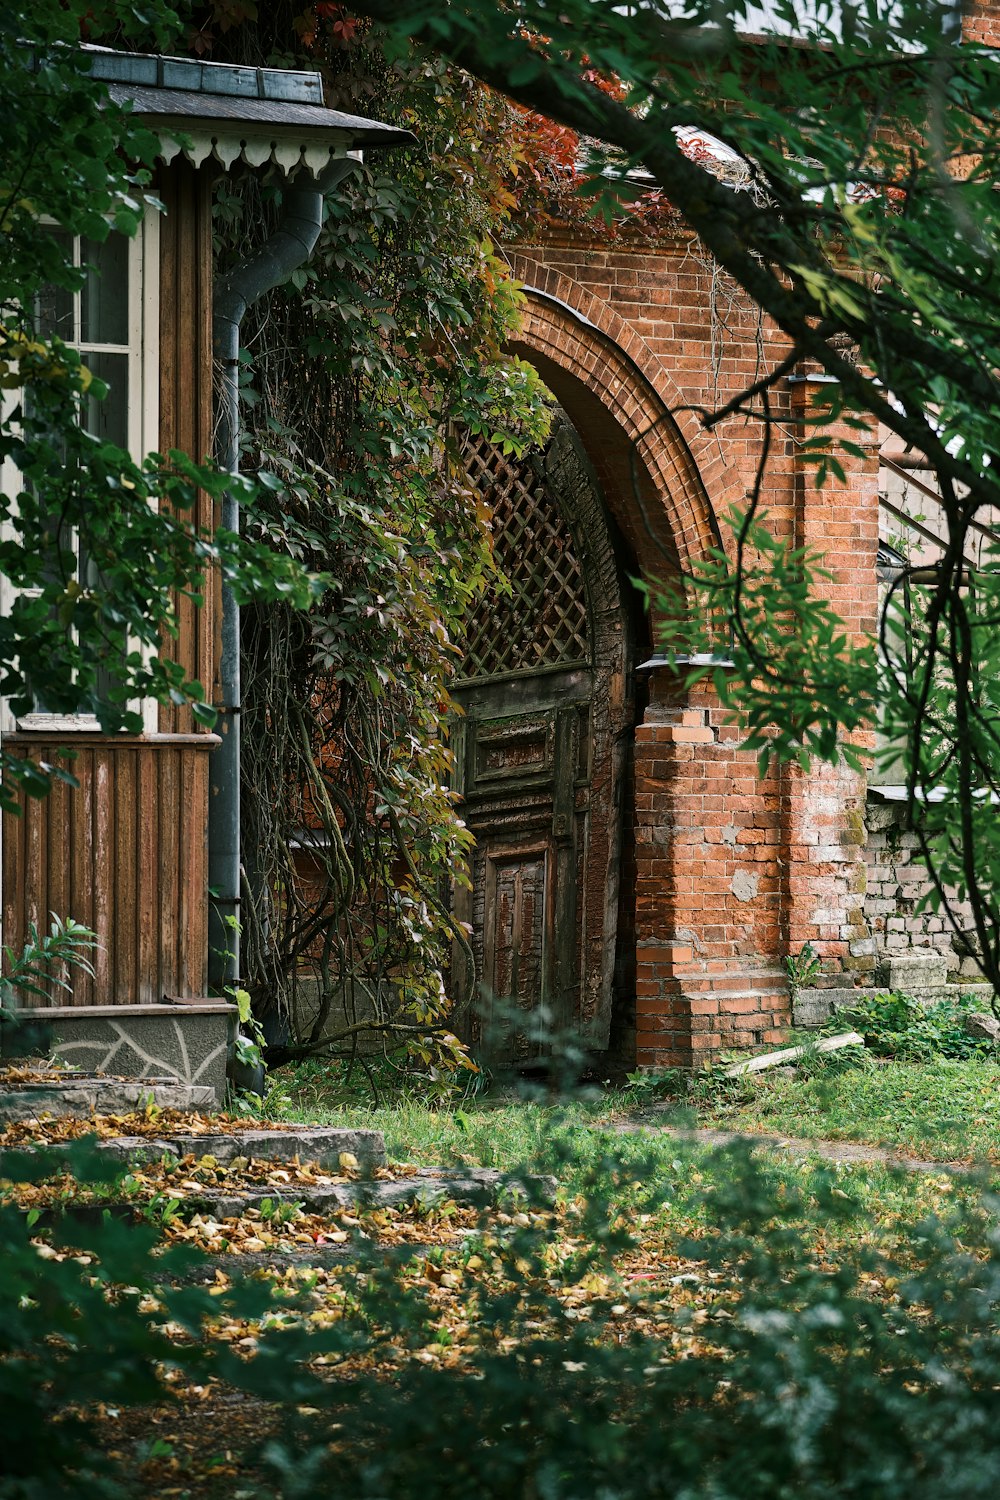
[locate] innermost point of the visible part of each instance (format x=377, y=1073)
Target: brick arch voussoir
x=577, y=331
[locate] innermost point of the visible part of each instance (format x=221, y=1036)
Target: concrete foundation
x=186, y=1040
x=813, y=1007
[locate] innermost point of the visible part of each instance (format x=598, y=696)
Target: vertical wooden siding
x=186, y=393
x=126, y=852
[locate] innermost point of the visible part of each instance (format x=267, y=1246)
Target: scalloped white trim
x=291, y=154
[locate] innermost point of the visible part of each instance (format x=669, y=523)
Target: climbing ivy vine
x=361, y=379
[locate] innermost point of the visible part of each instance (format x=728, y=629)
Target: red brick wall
x=731, y=873
x=824, y=810
x=708, y=889
x=982, y=22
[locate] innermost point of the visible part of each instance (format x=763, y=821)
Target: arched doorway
x=541, y=754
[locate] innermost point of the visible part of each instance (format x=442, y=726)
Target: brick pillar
x=823, y=811
x=708, y=885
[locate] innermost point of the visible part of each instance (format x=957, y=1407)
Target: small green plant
x=803, y=967
x=162, y=1209
x=895, y=1025
x=278, y=1210
x=250, y=1039
x=153, y=1448
x=44, y=964
x=650, y=1085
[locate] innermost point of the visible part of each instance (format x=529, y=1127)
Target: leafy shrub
x=779, y=1368
x=782, y=1376
x=894, y=1025
x=82, y=1309
x=44, y=964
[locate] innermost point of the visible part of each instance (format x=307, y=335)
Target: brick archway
x=731, y=872
x=705, y=880
x=620, y=399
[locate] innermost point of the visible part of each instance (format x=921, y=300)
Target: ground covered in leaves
x=655, y=1264
x=526, y=1347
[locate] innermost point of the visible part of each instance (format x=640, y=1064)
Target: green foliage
x=940, y=720
x=250, y=1040
x=894, y=1025
x=787, y=666
x=44, y=965
x=395, y=333
x=82, y=1323
x=45, y=961
x=54, y=118
x=85, y=639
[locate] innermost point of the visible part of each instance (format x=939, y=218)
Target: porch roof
x=232, y=113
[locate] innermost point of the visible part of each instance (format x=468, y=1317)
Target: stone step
x=58, y=1098
x=321, y=1145
x=914, y=971
x=470, y=1187
x=815, y=1007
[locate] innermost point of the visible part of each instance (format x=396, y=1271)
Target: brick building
x=717, y=878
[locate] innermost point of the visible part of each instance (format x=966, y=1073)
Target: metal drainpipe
x=288, y=247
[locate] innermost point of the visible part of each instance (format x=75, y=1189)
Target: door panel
x=516, y=953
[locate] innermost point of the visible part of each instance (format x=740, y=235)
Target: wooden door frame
x=573, y=486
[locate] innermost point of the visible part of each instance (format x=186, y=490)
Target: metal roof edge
x=195, y=75
x=232, y=96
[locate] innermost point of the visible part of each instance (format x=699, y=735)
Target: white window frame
x=143, y=335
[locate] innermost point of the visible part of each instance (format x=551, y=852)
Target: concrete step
x=469, y=1187
x=321, y=1145
x=815, y=1007
x=88, y=1095
x=914, y=971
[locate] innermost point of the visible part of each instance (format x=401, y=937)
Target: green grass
x=504, y=1134
x=500, y=1130
x=941, y=1110
x=944, y=1110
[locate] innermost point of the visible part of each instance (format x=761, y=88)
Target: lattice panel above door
x=544, y=621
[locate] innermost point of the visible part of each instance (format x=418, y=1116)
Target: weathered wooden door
x=539, y=757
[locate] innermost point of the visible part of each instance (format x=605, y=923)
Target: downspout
x=288, y=247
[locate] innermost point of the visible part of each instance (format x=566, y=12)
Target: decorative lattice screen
x=543, y=622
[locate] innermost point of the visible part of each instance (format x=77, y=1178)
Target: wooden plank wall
x=186, y=393
x=126, y=853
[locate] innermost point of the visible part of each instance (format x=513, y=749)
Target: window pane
x=104, y=300
x=54, y=304
x=108, y=419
